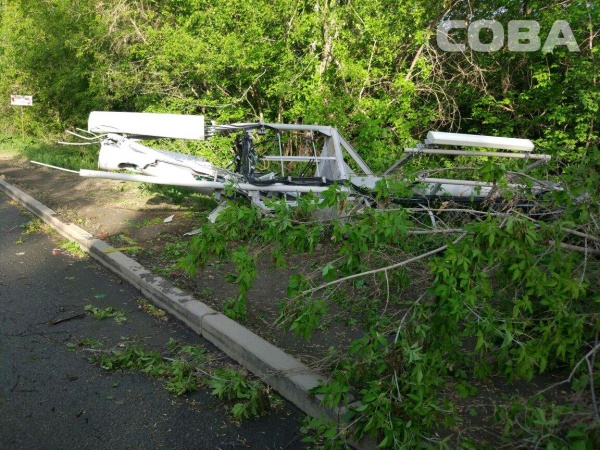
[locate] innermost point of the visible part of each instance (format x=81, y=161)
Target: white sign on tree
x=21, y=100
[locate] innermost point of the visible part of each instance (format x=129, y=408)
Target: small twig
x=387, y=300
x=592, y=352
x=585, y=262
x=592, y=388
x=57, y=321
x=405, y=315
x=461, y=210
x=199, y=370
x=16, y=383
x=137, y=30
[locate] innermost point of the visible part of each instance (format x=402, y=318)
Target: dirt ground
x=132, y=215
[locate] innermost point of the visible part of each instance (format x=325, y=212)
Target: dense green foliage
x=371, y=68
x=508, y=300
x=502, y=302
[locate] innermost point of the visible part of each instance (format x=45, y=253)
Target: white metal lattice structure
x=333, y=160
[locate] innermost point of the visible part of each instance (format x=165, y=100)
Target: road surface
x=52, y=397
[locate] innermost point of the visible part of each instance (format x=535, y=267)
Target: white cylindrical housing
x=175, y=126
x=473, y=140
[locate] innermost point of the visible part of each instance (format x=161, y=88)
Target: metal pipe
x=53, y=167
x=362, y=164
x=298, y=158
x=212, y=185
x=337, y=149
x=463, y=182
x=437, y=151
x=326, y=130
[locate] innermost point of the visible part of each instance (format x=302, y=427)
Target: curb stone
x=289, y=377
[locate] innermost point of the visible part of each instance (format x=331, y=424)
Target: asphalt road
x=52, y=397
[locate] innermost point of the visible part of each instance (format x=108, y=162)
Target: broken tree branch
x=576, y=248
x=384, y=269
x=583, y=235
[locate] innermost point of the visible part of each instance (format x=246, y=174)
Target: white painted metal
x=461, y=191
x=472, y=140
x=343, y=168
x=298, y=158
x=175, y=126
x=437, y=151
x=202, y=185
x=463, y=182
x=355, y=156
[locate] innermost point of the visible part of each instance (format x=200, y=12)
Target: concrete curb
x=286, y=375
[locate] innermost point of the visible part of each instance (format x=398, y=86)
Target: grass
x=149, y=308
x=34, y=226
x=175, y=250
x=178, y=195
x=170, y=254
x=12, y=145
x=134, y=224
x=105, y=313
x=69, y=157
x=206, y=292
x=72, y=248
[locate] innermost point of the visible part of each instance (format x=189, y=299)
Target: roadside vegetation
x=185, y=369
x=479, y=328
x=454, y=315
